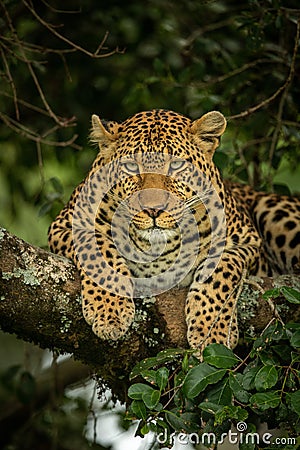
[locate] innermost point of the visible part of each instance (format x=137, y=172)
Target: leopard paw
x=109, y=315
x=221, y=332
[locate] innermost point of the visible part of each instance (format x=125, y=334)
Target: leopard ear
x=208, y=130
x=103, y=132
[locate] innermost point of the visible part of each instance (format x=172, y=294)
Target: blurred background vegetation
x=189, y=56
x=61, y=62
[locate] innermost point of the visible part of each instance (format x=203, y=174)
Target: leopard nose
x=153, y=213
x=153, y=201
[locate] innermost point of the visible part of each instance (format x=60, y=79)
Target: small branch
x=29, y=134
x=51, y=28
x=206, y=29
x=232, y=73
x=12, y=84
x=282, y=88
x=64, y=11
x=26, y=104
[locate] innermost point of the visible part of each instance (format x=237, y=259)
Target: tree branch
x=40, y=302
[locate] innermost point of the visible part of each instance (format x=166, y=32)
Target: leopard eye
x=177, y=164
x=131, y=167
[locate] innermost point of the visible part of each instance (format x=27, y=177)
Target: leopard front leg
x=106, y=287
x=106, y=291
x=106, y=284
x=211, y=305
x=109, y=314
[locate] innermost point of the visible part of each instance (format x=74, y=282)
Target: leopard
x=154, y=213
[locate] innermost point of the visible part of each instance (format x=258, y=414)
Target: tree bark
x=40, y=303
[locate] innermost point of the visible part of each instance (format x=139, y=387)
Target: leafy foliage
x=60, y=66
x=175, y=392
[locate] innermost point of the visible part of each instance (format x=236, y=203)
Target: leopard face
x=158, y=150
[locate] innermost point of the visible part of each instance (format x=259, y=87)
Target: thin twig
x=232, y=73
x=61, y=11
x=62, y=123
x=93, y=413
x=29, y=134
x=26, y=104
x=284, y=96
x=40, y=162
x=12, y=84
x=72, y=44
x=288, y=81
x=35, y=48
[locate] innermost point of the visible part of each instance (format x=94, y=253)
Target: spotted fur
x=158, y=158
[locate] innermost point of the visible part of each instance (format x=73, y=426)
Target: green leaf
x=169, y=354
x=147, y=394
x=210, y=407
x=258, y=344
x=295, y=339
x=293, y=326
x=267, y=358
x=266, y=378
x=199, y=377
x=178, y=378
x=185, y=363
x=187, y=422
x=295, y=401
x=265, y=400
x=162, y=376
x=151, y=399
x=274, y=332
x=161, y=358
x=138, y=408
x=142, y=366
x=220, y=394
x=149, y=375
x=271, y=293
x=249, y=378
x=219, y=356
x=283, y=351
x=159, y=407
x=291, y=295
x=145, y=429
x=236, y=385
x=137, y=390
x=178, y=381
x=230, y=412
x=248, y=444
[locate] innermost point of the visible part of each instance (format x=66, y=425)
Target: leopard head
x=160, y=160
